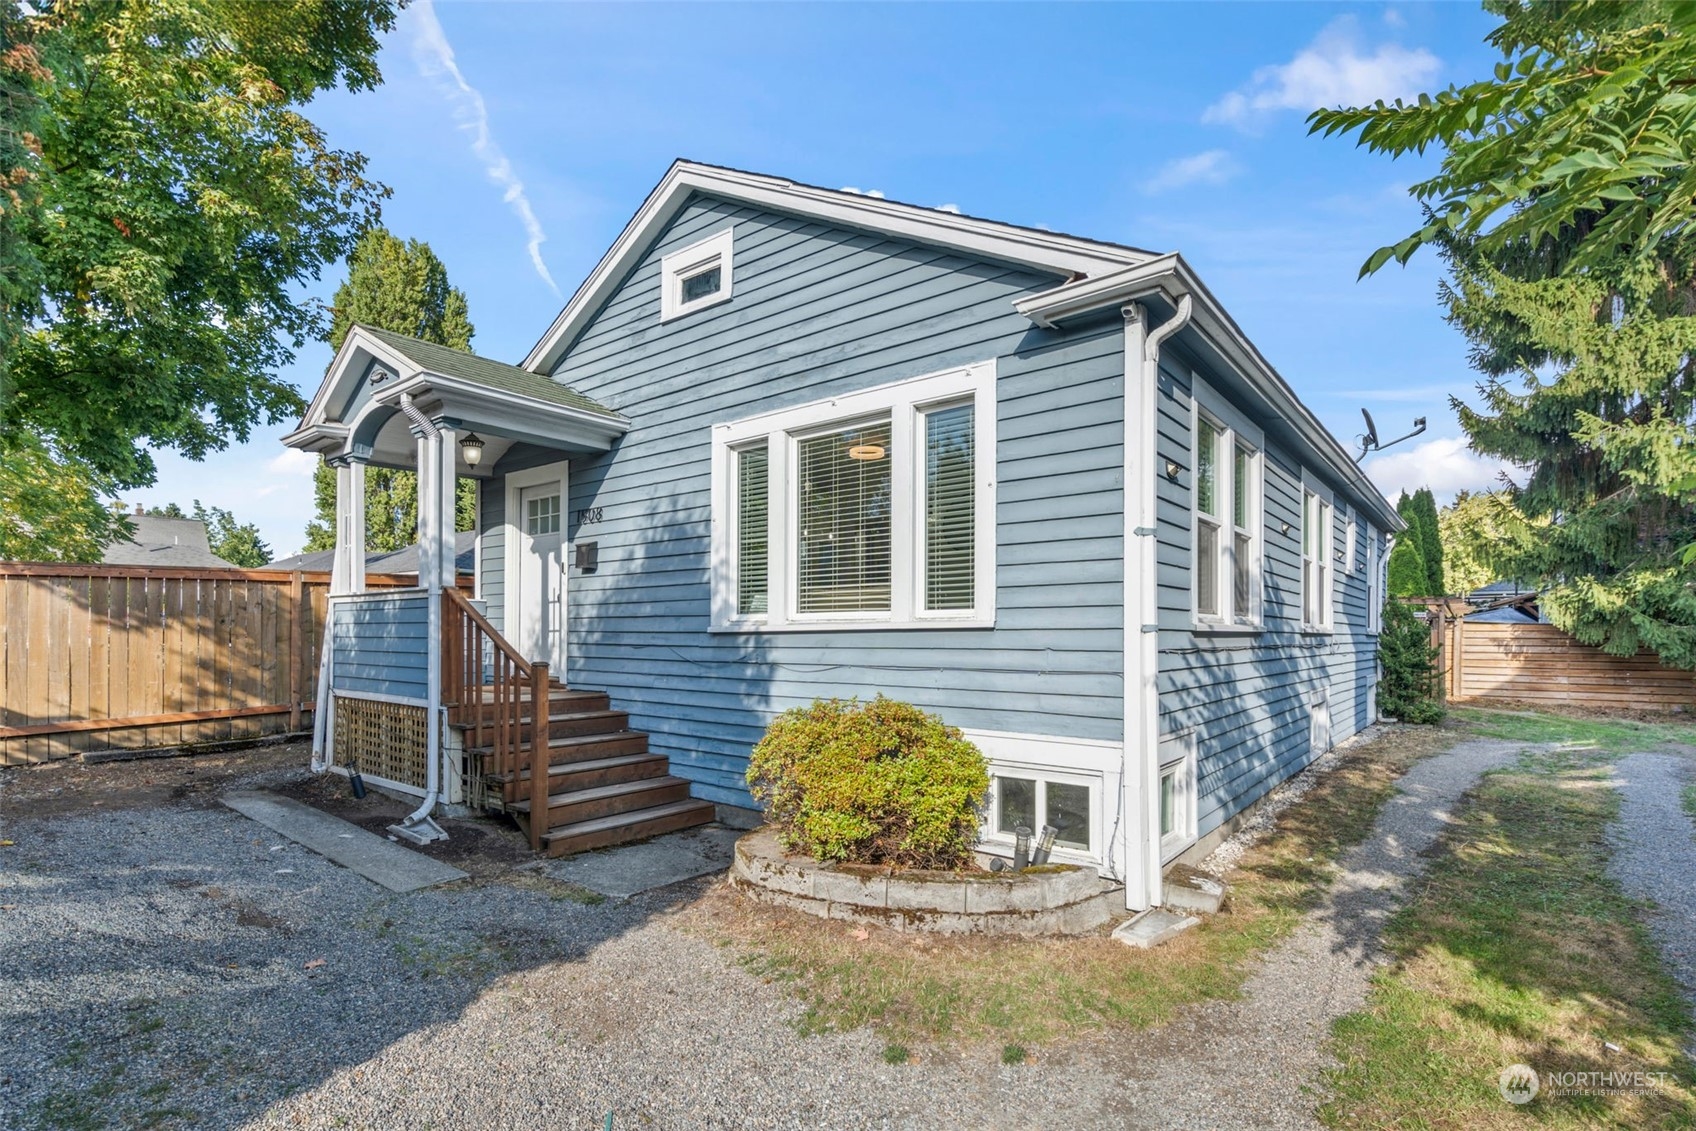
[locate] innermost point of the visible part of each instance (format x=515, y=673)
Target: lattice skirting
x=384, y=740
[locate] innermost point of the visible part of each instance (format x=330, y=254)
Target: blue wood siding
x=817, y=312
x=491, y=561
x=379, y=645
x=1248, y=696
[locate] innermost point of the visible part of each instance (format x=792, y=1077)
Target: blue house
x=786, y=442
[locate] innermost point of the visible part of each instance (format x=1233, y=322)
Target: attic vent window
x=696, y=277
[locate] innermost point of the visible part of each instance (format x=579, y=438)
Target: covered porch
x=424, y=694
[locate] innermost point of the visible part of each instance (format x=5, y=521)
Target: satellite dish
x=1371, y=438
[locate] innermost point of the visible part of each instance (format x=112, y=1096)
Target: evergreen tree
x=400, y=286
x=1564, y=211
x=1483, y=536
x=1408, y=576
x=1430, y=542
x=1408, y=690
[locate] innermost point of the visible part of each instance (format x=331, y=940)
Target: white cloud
x=954, y=208
x=293, y=462
x=1333, y=70
x=434, y=56
x=1446, y=466
x=1213, y=167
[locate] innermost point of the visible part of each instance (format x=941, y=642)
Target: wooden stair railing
x=486, y=683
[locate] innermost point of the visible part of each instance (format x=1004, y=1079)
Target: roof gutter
x=1170, y=278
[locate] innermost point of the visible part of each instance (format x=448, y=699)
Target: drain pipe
x=419, y=826
x=1142, y=605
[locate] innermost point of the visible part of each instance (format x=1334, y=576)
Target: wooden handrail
x=486, y=684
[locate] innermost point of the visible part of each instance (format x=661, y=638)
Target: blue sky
x=519, y=137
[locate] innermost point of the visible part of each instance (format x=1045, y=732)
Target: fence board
x=1540, y=663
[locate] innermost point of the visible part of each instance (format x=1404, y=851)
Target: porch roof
x=357, y=411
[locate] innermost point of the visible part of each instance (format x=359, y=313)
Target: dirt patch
x=486, y=847
x=1676, y=714
x=70, y=788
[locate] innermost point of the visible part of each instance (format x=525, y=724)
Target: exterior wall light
x=472, y=447
x=1172, y=470
x=1021, y=847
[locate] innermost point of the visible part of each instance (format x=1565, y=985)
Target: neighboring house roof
x=1496, y=590
x=449, y=362
x=161, y=541
x=386, y=562
x=1506, y=614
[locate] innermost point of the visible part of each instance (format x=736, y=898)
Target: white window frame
x=1351, y=540
x=1072, y=761
x=1234, y=430
x=1374, y=583
x=1178, y=757
x=1318, y=495
x=904, y=403
x=714, y=251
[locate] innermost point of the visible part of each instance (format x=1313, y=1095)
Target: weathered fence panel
x=129, y=657
x=1538, y=663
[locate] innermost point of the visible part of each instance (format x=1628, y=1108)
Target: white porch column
x=347, y=571
x=447, y=453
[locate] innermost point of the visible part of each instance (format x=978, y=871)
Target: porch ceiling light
x=472, y=446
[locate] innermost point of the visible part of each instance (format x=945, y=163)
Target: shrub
x=870, y=783
x=1409, y=688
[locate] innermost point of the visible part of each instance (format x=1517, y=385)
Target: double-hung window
x=1316, y=541
x=1226, y=585
x=874, y=508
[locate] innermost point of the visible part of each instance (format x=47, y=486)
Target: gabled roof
x=1070, y=257
x=163, y=541
x=449, y=362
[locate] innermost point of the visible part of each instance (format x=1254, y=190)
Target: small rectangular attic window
x=697, y=276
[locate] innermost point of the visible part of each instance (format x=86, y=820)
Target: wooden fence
x=102, y=657
x=1538, y=663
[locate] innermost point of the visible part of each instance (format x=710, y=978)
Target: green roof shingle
x=466, y=366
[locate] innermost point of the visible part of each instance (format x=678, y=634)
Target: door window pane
x=541, y=515
x=950, y=509
x=844, y=539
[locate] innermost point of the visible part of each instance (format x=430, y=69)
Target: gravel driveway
x=1655, y=853
x=172, y=965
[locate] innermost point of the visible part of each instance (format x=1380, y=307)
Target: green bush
x=870, y=783
x=1408, y=690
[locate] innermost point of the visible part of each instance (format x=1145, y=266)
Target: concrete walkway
x=1655, y=853
x=381, y=861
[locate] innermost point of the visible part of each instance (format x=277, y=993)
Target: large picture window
x=1225, y=582
x=872, y=509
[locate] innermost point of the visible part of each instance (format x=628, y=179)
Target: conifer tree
x=400, y=286
x=1408, y=576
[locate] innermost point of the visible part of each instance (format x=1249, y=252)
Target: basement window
x=1067, y=803
x=696, y=277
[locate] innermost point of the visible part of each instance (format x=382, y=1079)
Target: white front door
x=540, y=596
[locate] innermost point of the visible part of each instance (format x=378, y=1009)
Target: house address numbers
x=587, y=515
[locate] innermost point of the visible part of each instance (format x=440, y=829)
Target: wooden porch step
x=623, y=828
x=587, y=747
x=559, y=699
x=568, y=776
x=582, y=805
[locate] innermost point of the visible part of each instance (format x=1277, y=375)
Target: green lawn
x=1517, y=947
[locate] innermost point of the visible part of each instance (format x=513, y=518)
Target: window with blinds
x=753, y=480
x=1207, y=519
x=875, y=507
x=843, y=561
x=950, y=552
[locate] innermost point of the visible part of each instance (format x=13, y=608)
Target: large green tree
x=162, y=199
x=400, y=286
x=1563, y=209
x=1419, y=511
x=1484, y=538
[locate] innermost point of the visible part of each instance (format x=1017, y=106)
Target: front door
x=541, y=576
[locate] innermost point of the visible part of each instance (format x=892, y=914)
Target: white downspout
x=1142, y=601
x=419, y=826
